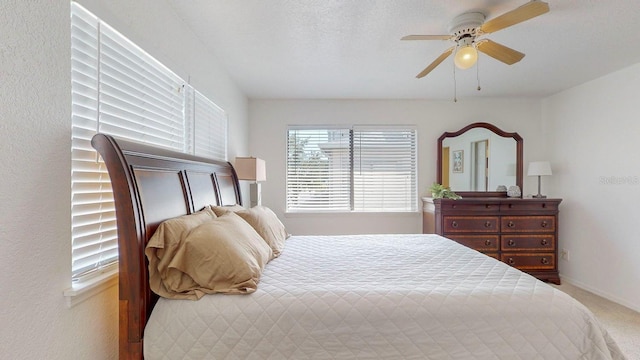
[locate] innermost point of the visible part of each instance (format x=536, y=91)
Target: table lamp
x=252, y=169
x=539, y=168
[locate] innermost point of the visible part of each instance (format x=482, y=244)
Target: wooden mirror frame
x=497, y=131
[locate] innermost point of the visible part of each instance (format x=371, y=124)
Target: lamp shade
x=539, y=168
x=250, y=168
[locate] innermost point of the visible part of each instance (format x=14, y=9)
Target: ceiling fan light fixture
x=466, y=57
x=466, y=28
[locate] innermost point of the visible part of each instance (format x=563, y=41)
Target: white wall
x=593, y=133
x=35, y=119
x=269, y=120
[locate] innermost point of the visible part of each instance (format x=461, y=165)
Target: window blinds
x=384, y=169
x=352, y=169
x=119, y=89
x=210, y=122
x=319, y=170
x=93, y=220
x=139, y=98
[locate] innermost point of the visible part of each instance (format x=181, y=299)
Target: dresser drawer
x=511, y=224
x=530, y=261
x=468, y=224
x=529, y=206
x=483, y=243
x=459, y=206
x=528, y=242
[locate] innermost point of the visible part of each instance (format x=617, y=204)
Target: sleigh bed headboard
x=151, y=185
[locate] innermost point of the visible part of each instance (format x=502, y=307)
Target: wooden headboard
x=151, y=185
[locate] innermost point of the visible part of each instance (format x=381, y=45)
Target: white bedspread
x=381, y=297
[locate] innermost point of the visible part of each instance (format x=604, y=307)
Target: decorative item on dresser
x=520, y=232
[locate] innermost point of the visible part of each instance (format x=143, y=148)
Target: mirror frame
x=497, y=131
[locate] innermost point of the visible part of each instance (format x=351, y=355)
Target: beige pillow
x=166, y=241
x=223, y=255
x=220, y=210
x=267, y=224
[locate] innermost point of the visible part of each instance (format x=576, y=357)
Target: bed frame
x=151, y=185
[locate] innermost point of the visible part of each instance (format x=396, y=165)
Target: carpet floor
x=622, y=323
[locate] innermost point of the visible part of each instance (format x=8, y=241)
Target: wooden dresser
x=520, y=232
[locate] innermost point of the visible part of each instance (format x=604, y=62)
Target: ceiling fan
x=467, y=29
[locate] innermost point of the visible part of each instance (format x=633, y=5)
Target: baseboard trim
x=605, y=295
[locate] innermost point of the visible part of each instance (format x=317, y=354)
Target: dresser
x=520, y=232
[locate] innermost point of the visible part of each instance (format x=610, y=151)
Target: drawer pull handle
x=511, y=243
x=488, y=206
x=511, y=261
x=545, y=261
x=544, y=242
x=510, y=206
x=511, y=224
x=544, y=205
x=544, y=224
x=454, y=224
x=487, y=224
x=487, y=242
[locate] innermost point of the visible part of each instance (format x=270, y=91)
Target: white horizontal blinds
x=94, y=244
x=119, y=89
x=318, y=169
x=363, y=169
x=140, y=99
x=210, y=128
x=385, y=163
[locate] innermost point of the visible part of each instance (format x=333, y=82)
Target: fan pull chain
x=478, y=73
x=455, y=87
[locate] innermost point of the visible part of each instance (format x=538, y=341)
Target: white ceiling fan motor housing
x=464, y=27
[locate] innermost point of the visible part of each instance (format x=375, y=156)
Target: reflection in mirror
x=480, y=158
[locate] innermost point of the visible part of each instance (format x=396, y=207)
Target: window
x=361, y=169
x=119, y=89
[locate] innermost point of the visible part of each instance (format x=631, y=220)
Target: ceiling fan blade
x=426, y=37
x=436, y=62
x=523, y=13
x=499, y=52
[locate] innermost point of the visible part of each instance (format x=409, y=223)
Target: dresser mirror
x=480, y=160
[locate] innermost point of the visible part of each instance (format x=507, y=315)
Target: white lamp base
x=255, y=194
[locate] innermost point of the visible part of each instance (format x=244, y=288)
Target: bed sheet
x=381, y=297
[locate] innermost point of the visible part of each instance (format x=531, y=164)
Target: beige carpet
x=622, y=323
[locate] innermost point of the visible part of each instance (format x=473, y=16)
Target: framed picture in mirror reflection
x=458, y=161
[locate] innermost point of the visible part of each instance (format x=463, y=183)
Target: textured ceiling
x=351, y=49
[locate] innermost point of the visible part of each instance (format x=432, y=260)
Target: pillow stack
x=221, y=249
x=264, y=221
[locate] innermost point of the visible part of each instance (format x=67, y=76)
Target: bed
x=385, y=296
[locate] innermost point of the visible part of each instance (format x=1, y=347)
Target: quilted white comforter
x=381, y=297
